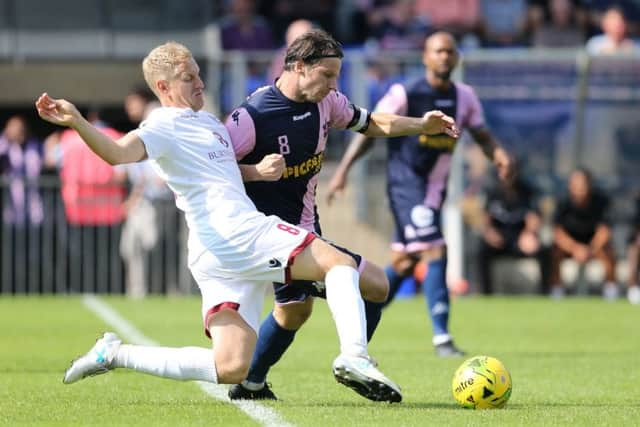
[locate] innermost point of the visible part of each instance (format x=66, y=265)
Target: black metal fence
x=50, y=255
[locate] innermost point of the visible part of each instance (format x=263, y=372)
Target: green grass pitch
x=573, y=362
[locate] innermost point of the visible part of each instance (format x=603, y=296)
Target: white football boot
x=361, y=374
x=97, y=361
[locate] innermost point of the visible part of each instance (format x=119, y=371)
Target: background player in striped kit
x=417, y=172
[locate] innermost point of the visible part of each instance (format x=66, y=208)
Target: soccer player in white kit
x=234, y=251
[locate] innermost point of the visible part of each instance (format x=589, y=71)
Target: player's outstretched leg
x=353, y=367
x=97, y=361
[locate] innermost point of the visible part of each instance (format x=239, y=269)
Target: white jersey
x=192, y=152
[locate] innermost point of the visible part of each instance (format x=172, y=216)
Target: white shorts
x=238, y=279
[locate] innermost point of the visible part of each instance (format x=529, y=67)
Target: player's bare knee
x=342, y=258
x=374, y=285
x=232, y=370
x=293, y=316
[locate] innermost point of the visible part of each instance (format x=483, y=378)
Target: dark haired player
x=290, y=121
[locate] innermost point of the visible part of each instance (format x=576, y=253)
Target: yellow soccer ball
x=481, y=382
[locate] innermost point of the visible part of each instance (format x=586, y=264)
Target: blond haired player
x=234, y=251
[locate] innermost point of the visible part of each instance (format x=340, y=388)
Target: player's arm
x=600, y=238
x=270, y=168
x=242, y=131
x=385, y=125
x=494, y=151
x=391, y=125
x=127, y=149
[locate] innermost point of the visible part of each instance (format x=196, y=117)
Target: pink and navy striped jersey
x=269, y=122
x=417, y=158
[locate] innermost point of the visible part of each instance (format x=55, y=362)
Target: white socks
x=347, y=308
x=185, y=363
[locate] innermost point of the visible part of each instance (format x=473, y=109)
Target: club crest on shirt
x=422, y=216
x=220, y=139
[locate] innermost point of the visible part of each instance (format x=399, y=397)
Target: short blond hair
x=162, y=61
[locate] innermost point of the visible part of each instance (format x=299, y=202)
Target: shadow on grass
x=553, y=354
x=378, y=405
x=411, y=406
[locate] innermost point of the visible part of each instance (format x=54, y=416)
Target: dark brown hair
x=311, y=47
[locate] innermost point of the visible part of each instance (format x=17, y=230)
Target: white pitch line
x=262, y=414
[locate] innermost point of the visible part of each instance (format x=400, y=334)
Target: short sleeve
x=394, y=101
x=157, y=133
x=339, y=109
x=472, y=115
x=242, y=131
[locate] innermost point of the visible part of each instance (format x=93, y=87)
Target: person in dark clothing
x=511, y=228
x=581, y=232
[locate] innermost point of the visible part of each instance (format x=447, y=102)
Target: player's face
x=440, y=56
x=318, y=80
x=186, y=88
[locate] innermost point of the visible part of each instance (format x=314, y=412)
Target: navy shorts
x=300, y=290
x=417, y=224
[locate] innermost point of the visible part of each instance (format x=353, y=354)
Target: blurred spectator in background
x=20, y=203
x=138, y=104
x=598, y=8
x=151, y=221
x=562, y=28
x=93, y=193
x=511, y=228
x=458, y=17
x=396, y=26
x=282, y=12
x=243, y=29
x=581, y=232
x=633, y=258
x=20, y=162
x=295, y=29
x=614, y=39
x=504, y=23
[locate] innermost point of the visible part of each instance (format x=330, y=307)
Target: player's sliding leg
x=186, y=363
x=233, y=343
x=353, y=367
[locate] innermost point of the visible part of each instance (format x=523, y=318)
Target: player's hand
x=271, y=167
x=57, y=111
x=435, y=122
x=336, y=186
x=504, y=164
